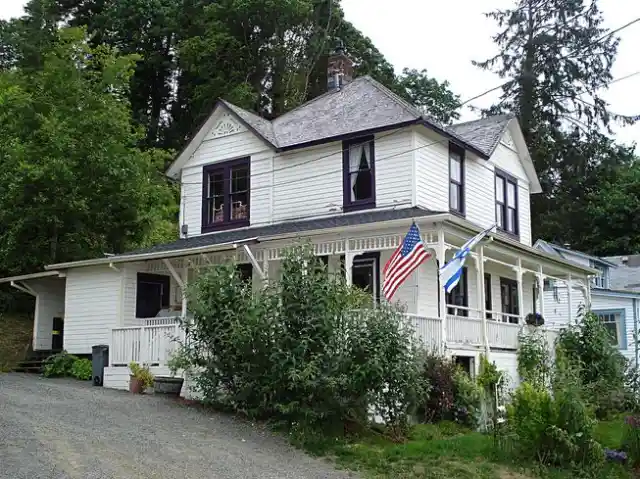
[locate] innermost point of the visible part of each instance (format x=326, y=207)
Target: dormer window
x=358, y=158
x=507, y=203
x=456, y=180
x=225, y=195
x=600, y=280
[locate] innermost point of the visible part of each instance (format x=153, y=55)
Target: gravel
x=54, y=429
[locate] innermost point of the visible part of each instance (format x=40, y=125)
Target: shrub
x=467, y=398
x=307, y=349
x=82, y=369
x=602, y=367
x=437, y=404
x=59, y=364
x=554, y=427
x=631, y=439
x=534, y=360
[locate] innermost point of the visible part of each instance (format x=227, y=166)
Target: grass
x=447, y=451
x=15, y=336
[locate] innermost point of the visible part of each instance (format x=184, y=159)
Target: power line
x=331, y=172
x=596, y=41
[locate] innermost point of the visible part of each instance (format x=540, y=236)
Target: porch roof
x=226, y=240
x=25, y=277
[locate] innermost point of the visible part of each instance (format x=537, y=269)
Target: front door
x=366, y=274
x=152, y=294
x=57, y=332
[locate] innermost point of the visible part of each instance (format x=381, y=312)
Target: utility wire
x=595, y=42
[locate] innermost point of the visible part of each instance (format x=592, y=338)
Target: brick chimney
x=339, y=68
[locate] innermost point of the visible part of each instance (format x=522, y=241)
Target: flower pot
x=136, y=386
x=167, y=385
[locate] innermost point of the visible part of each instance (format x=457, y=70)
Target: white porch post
x=348, y=262
x=587, y=288
x=569, y=287
x=540, y=278
x=185, y=277
x=265, y=266
x=518, y=269
x=440, y=254
x=479, y=258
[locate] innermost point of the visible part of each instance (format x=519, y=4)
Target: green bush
x=307, y=349
x=631, y=439
x=554, y=427
x=59, y=365
x=467, y=398
x=82, y=369
x=534, y=360
x=438, y=402
x=603, y=369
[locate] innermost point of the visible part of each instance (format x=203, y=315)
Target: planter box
x=167, y=385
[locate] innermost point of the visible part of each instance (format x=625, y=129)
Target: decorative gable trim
x=225, y=126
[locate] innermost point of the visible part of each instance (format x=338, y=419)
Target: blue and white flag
x=450, y=273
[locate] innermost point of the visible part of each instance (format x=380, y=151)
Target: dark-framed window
x=246, y=271
x=456, y=179
x=459, y=296
x=225, y=195
x=509, y=299
x=507, y=203
x=488, y=301
x=359, y=175
x=365, y=273
x=153, y=293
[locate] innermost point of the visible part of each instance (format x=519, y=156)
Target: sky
x=445, y=36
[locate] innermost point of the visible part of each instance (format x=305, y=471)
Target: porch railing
x=151, y=345
x=156, y=321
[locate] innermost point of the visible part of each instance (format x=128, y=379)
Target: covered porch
x=500, y=286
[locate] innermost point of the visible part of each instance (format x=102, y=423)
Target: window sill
x=223, y=226
x=509, y=234
x=359, y=206
x=459, y=214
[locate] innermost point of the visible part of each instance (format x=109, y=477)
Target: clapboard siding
x=479, y=191
x=92, y=307
x=556, y=303
x=604, y=302
x=432, y=170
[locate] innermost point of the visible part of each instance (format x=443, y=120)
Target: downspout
x=635, y=327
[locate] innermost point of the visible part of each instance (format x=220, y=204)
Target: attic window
x=358, y=157
x=225, y=195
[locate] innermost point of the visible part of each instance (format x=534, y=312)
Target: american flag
x=409, y=255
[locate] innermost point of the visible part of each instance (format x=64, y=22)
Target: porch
x=485, y=312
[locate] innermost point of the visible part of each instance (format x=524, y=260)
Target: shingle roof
x=361, y=105
x=290, y=227
x=485, y=133
x=625, y=275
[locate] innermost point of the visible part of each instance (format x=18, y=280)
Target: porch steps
x=34, y=362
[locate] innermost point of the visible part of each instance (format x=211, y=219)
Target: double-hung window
x=509, y=299
x=507, y=203
x=459, y=296
x=358, y=158
x=614, y=321
x=456, y=179
x=225, y=195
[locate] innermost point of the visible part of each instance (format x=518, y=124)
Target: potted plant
x=171, y=385
x=140, y=378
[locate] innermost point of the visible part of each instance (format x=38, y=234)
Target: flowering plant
x=631, y=439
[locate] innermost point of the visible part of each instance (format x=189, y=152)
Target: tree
x=75, y=184
x=556, y=57
x=431, y=96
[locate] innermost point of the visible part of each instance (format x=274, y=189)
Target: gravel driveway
x=53, y=429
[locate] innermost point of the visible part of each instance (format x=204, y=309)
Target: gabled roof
x=485, y=133
x=566, y=253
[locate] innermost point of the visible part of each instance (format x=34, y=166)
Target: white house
x=615, y=295
x=349, y=171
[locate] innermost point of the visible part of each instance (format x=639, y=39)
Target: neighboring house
x=349, y=171
x=615, y=295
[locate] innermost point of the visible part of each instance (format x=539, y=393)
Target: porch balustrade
x=151, y=345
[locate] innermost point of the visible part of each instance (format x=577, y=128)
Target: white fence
x=152, y=345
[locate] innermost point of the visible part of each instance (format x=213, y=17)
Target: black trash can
x=99, y=360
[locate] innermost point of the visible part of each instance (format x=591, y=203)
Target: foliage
x=587, y=343
x=631, y=439
x=492, y=383
x=554, y=429
x=437, y=373
x=556, y=58
x=467, y=397
x=82, y=369
x=142, y=374
x=308, y=349
x=59, y=365
x=534, y=361
x=77, y=184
